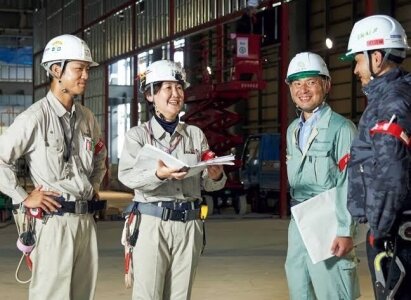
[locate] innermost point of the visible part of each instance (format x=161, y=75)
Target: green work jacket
x=319, y=166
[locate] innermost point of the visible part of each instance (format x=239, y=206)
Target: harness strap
x=387, y=127
x=167, y=214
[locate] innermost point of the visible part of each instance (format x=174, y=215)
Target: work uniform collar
x=314, y=117
x=58, y=108
x=323, y=121
x=159, y=133
x=324, y=117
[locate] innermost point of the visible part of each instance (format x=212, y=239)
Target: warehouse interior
x=236, y=98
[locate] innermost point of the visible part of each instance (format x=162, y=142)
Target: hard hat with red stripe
x=377, y=32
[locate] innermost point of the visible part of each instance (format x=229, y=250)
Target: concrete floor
x=244, y=259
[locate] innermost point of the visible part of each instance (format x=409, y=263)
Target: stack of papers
x=150, y=155
x=317, y=223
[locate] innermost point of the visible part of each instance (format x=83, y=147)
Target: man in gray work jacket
x=61, y=143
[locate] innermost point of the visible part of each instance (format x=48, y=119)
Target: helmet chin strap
x=367, y=55
x=156, y=111
x=63, y=90
x=62, y=65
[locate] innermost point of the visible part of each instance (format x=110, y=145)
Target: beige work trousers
x=65, y=259
x=165, y=258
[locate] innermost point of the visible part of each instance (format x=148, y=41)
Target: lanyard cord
x=68, y=143
x=169, y=150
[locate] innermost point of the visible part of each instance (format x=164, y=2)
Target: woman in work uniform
x=318, y=144
x=168, y=247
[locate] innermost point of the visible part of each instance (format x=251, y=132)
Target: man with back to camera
x=318, y=144
x=379, y=170
x=61, y=143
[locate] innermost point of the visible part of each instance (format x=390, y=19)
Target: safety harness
x=383, y=289
x=129, y=240
x=25, y=219
x=165, y=210
x=26, y=240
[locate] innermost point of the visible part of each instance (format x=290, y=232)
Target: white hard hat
x=306, y=64
x=66, y=47
x=252, y=3
x=163, y=70
x=377, y=32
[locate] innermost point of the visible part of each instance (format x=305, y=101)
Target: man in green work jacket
x=318, y=144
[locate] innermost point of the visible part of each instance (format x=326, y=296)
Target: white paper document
x=150, y=155
x=317, y=222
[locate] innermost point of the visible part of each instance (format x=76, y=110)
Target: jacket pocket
x=321, y=166
x=86, y=152
x=54, y=153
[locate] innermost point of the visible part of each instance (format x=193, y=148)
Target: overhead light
x=329, y=43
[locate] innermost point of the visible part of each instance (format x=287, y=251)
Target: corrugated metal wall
x=334, y=19
x=108, y=29
x=95, y=95
x=72, y=16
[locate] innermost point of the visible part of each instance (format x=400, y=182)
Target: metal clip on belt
x=382, y=287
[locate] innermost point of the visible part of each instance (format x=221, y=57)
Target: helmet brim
x=301, y=75
x=349, y=56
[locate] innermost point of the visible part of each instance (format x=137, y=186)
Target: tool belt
x=171, y=210
x=79, y=207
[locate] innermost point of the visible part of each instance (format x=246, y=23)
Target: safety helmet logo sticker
x=375, y=42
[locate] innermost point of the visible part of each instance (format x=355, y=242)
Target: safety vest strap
x=342, y=163
x=393, y=129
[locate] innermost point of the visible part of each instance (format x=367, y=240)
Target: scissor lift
x=207, y=108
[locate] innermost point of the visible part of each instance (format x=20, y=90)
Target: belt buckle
x=165, y=216
x=81, y=207
x=184, y=216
